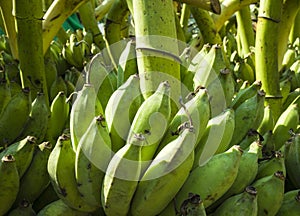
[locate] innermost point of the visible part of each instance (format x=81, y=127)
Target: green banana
x=23, y=153
x=24, y=209
x=47, y=196
x=9, y=182
x=288, y=120
x=59, y=208
x=122, y=176
x=122, y=104
x=92, y=157
x=204, y=181
x=165, y=175
x=267, y=122
x=289, y=58
x=193, y=206
x=57, y=86
x=50, y=70
x=248, y=116
x=85, y=107
x=37, y=123
x=244, y=71
x=290, y=204
x=61, y=169
x=5, y=94
x=216, y=138
x=285, y=88
x=270, y=192
x=14, y=117
x=152, y=120
x=252, y=135
x=197, y=110
x=36, y=179
x=292, y=159
x=290, y=98
x=272, y=164
x=58, y=117
x=244, y=203
x=15, y=88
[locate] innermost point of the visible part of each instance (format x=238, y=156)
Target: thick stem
x=28, y=18
x=206, y=25
x=266, y=52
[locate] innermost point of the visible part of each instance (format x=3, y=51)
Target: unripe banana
x=288, y=59
x=77, y=51
x=36, y=178
x=193, y=206
x=270, y=192
x=85, y=107
x=244, y=203
x=285, y=88
x=68, y=55
x=290, y=98
x=197, y=110
x=15, y=88
x=92, y=157
x=288, y=120
x=165, y=175
x=5, y=94
x=57, y=86
x=122, y=176
x=244, y=71
x=252, y=135
x=14, y=117
x=290, y=204
x=267, y=122
x=61, y=169
x=9, y=183
x=122, y=104
x=216, y=138
x=58, y=117
x=59, y=208
x=50, y=70
x=23, y=152
x=37, y=123
x=24, y=209
x=152, y=119
x=204, y=181
x=271, y=165
x=47, y=196
x=292, y=160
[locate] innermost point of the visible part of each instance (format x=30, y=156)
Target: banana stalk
x=208, y=5
x=290, y=9
x=156, y=45
x=266, y=51
x=228, y=8
x=55, y=16
x=9, y=25
x=28, y=18
x=206, y=26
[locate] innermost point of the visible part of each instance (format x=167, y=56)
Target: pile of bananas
x=103, y=149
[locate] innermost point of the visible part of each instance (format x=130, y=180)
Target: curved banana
x=244, y=203
x=290, y=204
x=267, y=122
x=291, y=98
x=165, y=175
x=57, y=86
x=24, y=209
x=22, y=151
x=122, y=104
x=92, y=157
x=252, y=135
x=244, y=71
x=5, y=94
x=285, y=88
x=61, y=169
x=9, y=183
x=14, y=117
x=85, y=107
x=211, y=186
x=270, y=192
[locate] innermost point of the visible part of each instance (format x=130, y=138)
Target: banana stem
x=102, y=9
x=295, y=30
x=266, y=52
x=289, y=13
x=245, y=30
x=9, y=26
x=228, y=8
x=208, y=5
x=88, y=20
x=206, y=25
x=55, y=16
x=28, y=18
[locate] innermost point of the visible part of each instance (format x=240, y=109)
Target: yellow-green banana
x=285, y=88
x=85, y=107
x=122, y=104
x=59, y=114
x=216, y=138
x=59, y=208
x=252, y=135
x=24, y=209
x=244, y=71
x=14, y=117
x=37, y=122
x=36, y=178
x=57, y=86
x=212, y=179
x=165, y=175
x=5, y=94
x=270, y=192
x=22, y=151
x=92, y=157
x=290, y=98
x=244, y=203
x=290, y=204
x=267, y=122
x=9, y=182
x=61, y=169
